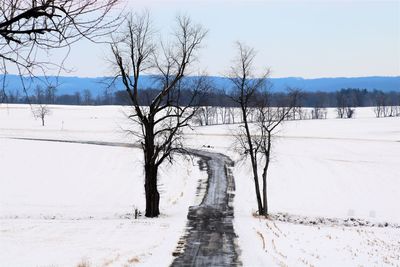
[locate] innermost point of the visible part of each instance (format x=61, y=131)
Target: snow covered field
x=334, y=168
x=65, y=203
x=62, y=204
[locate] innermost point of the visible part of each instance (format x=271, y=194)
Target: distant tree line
x=217, y=104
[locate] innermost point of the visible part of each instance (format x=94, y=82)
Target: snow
x=269, y=243
x=62, y=204
x=66, y=203
x=333, y=168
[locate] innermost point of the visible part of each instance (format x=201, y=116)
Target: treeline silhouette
x=344, y=98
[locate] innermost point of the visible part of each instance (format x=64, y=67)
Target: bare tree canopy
x=160, y=115
x=41, y=111
x=251, y=94
x=28, y=27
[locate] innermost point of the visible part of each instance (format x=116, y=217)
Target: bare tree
x=245, y=89
x=380, y=103
x=108, y=96
x=29, y=28
x=51, y=94
x=223, y=112
x=206, y=115
x=297, y=111
x=252, y=96
x=200, y=117
x=269, y=118
x=3, y=96
x=12, y=96
x=87, y=97
x=386, y=104
x=319, y=107
x=41, y=111
x=78, y=98
x=160, y=116
x=393, y=104
x=345, y=103
x=39, y=95
x=232, y=114
x=318, y=113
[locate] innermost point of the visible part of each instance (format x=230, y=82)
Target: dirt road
x=210, y=239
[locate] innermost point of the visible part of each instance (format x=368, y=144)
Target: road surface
x=210, y=239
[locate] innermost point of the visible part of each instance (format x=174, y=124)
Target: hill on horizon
x=70, y=85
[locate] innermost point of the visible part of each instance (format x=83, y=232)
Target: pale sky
x=307, y=39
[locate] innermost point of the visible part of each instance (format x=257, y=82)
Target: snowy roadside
x=62, y=204
x=332, y=169
x=285, y=244
x=352, y=186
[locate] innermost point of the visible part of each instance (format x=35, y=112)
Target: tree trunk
x=265, y=174
x=265, y=200
x=253, y=160
x=150, y=168
x=152, y=195
x=257, y=186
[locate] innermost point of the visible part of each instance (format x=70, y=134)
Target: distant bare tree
x=206, y=115
x=108, y=96
x=41, y=111
x=319, y=110
x=199, y=117
x=318, y=113
x=341, y=104
x=3, y=96
x=78, y=98
x=386, y=104
x=12, y=96
x=87, y=97
x=223, y=113
x=160, y=116
x=393, y=103
x=379, y=100
x=345, y=103
x=232, y=114
x=39, y=95
x=51, y=94
x=297, y=111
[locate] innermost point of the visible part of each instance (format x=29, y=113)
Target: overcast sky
x=294, y=38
